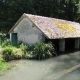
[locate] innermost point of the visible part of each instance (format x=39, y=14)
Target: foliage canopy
x=11, y=10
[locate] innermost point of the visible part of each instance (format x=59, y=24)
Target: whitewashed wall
x=28, y=33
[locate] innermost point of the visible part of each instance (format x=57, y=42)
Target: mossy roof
x=55, y=28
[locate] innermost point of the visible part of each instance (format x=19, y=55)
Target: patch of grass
x=3, y=66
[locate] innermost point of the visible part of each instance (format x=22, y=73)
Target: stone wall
x=28, y=33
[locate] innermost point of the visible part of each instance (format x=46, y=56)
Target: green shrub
x=24, y=47
x=18, y=54
x=29, y=55
x=36, y=51
x=8, y=51
x=6, y=43
x=7, y=54
x=40, y=51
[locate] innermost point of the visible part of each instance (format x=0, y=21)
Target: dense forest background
x=11, y=10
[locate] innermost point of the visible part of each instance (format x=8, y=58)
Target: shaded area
x=55, y=43
x=69, y=44
x=45, y=69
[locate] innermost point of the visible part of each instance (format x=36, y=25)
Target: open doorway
x=69, y=44
x=13, y=38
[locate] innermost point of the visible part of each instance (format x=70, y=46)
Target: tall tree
x=11, y=10
x=65, y=9
x=46, y=7
x=71, y=9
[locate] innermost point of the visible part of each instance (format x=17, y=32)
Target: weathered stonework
x=28, y=33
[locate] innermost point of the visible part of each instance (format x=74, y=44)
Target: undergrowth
x=3, y=66
x=37, y=51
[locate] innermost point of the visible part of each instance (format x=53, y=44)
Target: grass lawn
x=3, y=66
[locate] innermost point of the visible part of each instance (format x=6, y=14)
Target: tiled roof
x=53, y=28
x=56, y=28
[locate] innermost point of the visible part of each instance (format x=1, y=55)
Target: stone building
x=30, y=29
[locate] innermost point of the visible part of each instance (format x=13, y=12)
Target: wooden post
x=77, y=43
x=62, y=45
x=13, y=38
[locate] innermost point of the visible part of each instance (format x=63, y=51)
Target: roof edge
x=37, y=27
x=19, y=20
